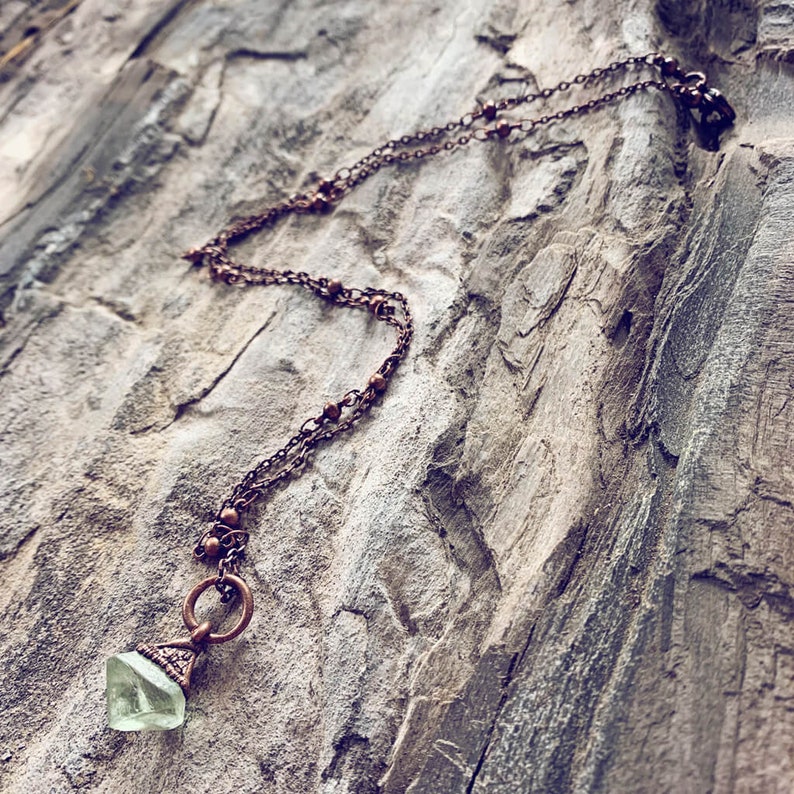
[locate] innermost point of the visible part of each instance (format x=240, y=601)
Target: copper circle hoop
x=188, y=607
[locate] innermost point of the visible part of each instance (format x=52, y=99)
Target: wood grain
x=557, y=557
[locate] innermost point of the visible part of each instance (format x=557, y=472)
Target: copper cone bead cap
x=177, y=660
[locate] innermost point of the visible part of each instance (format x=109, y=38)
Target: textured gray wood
x=557, y=557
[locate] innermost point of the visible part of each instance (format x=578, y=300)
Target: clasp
x=715, y=110
x=716, y=113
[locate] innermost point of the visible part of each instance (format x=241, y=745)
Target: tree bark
x=557, y=556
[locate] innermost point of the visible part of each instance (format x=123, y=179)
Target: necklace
x=147, y=688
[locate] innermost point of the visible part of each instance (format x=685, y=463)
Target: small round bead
x=229, y=516
x=212, y=547
x=669, y=67
x=378, y=382
x=489, y=111
x=320, y=203
x=334, y=286
x=325, y=187
x=194, y=255
x=503, y=128
x=332, y=411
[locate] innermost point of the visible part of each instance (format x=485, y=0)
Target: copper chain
x=225, y=541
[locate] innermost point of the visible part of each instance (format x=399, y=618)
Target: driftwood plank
x=557, y=556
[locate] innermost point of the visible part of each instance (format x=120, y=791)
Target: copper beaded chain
x=224, y=543
x=147, y=688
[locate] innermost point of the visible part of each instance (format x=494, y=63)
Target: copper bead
x=229, y=516
x=194, y=255
x=320, y=203
x=489, y=111
x=378, y=382
x=212, y=547
x=334, y=286
x=332, y=411
x=669, y=67
x=503, y=128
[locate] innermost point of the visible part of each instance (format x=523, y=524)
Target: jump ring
x=189, y=615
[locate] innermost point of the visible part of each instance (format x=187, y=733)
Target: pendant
x=147, y=689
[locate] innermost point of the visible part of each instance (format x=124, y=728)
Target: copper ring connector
x=189, y=606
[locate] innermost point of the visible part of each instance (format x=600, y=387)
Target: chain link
x=224, y=542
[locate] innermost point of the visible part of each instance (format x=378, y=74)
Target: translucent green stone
x=141, y=696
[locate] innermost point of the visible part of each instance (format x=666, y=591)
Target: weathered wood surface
x=557, y=557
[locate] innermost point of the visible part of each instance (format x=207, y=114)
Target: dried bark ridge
x=555, y=560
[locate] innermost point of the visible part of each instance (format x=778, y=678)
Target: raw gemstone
x=141, y=696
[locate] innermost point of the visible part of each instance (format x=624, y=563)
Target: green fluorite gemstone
x=141, y=696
